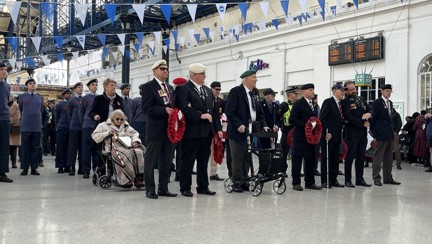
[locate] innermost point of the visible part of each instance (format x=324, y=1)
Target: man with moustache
x=196, y=101
x=302, y=111
x=242, y=109
x=157, y=102
x=4, y=124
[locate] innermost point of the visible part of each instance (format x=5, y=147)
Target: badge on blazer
x=220, y=110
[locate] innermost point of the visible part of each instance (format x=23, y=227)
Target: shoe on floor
x=313, y=187
x=297, y=188
x=392, y=182
x=399, y=167
x=60, y=171
x=35, y=172
x=24, y=172
x=86, y=176
x=216, y=177
x=377, y=183
x=429, y=170
x=41, y=164
x=5, y=179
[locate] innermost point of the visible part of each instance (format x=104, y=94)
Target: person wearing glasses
x=158, y=104
x=105, y=104
x=127, y=158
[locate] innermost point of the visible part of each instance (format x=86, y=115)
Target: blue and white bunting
x=243, y=6
x=276, y=23
x=12, y=62
x=356, y=3
x=82, y=9
x=48, y=9
x=140, y=37
x=60, y=57
x=166, y=10
x=174, y=33
x=192, y=8
x=139, y=9
x=157, y=35
x=339, y=3
x=303, y=5
x=102, y=38
x=165, y=49
x=59, y=41
x=182, y=40
x=122, y=37
x=111, y=11
x=121, y=49
x=221, y=8
x=285, y=4
x=264, y=8
x=207, y=33
x=114, y=55
x=81, y=40
x=13, y=8
x=45, y=59
x=197, y=38
x=36, y=42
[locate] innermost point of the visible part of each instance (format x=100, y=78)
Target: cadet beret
x=290, y=90
x=338, y=87
x=92, y=81
x=2, y=65
x=307, y=86
x=215, y=84
x=67, y=90
x=124, y=85
x=247, y=73
x=27, y=81
x=51, y=100
x=77, y=85
x=197, y=68
x=387, y=86
x=159, y=63
x=269, y=91
x=179, y=81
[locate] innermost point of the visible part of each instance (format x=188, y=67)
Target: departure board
x=369, y=49
x=340, y=53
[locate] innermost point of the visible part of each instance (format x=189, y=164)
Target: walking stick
x=327, y=160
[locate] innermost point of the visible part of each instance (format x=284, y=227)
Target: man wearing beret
x=89, y=148
x=158, y=103
x=242, y=109
x=75, y=130
x=127, y=101
x=62, y=124
x=271, y=114
x=382, y=132
x=5, y=97
x=196, y=101
x=301, y=112
x=331, y=117
x=32, y=114
x=284, y=114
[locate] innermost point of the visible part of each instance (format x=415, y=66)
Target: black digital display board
x=356, y=51
x=341, y=53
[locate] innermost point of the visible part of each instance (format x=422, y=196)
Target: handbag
x=15, y=129
x=126, y=141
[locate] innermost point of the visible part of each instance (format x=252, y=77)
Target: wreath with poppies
x=217, y=149
x=313, y=136
x=345, y=151
x=290, y=138
x=176, y=126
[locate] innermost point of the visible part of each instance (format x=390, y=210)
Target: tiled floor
x=54, y=208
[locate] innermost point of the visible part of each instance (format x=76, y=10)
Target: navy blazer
x=154, y=104
x=331, y=119
x=271, y=116
x=193, y=106
x=380, y=123
x=301, y=112
x=237, y=112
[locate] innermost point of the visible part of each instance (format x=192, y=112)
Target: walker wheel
x=95, y=179
x=255, y=187
x=105, y=182
x=279, y=186
x=229, y=185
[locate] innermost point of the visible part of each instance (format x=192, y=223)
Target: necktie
x=32, y=94
x=388, y=107
x=252, y=101
x=202, y=94
x=311, y=105
x=340, y=109
x=167, y=93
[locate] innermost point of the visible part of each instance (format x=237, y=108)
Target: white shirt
x=252, y=112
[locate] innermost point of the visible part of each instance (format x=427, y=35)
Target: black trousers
x=332, y=159
x=194, y=149
x=49, y=140
x=75, y=147
x=62, y=147
x=4, y=146
x=356, y=150
x=161, y=150
x=141, y=127
x=89, y=151
x=31, y=149
x=228, y=157
x=285, y=152
x=307, y=152
x=240, y=160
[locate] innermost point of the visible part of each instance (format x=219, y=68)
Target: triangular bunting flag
x=59, y=41
x=102, y=38
x=12, y=62
x=289, y=20
x=121, y=48
x=322, y=4
x=333, y=10
x=49, y=10
x=262, y=26
x=166, y=10
x=192, y=8
x=177, y=47
x=323, y=15
x=276, y=23
x=139, y=9
x=243, y=9
x=237, y=37
x=75, y=55
x=127, y=54
x=81, y=40
x=45, y=59
x=356, y=3
x=221, y=8
x=197, y=38
x=111, y=11
x=13, y=8
x=265, y=8
x=211, y=34
x=304, y=16
x=36, y=42
x=157, y=35
x=152, y=50
x=165, y=49
x=115, y=55
x=303, y=5
x=60, y=57
x=151, y=44
x=222, y=32
x=300, y=20
x=245, y=29
x=105, y=52
x=122, y=37
x=182, y=40
x=82, y=9
x=30, y=62
x=137, y=46
x=207, y=32
x=19, y=65
x=174, y=33
x=285, y=4
x=166, y=42
x=140, y=37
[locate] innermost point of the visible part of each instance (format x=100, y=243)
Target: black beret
x=247, y=73
x=124, y=85
x=387, y=86
x=307, y=86
x=215, y=84
x=51, y=100
x=2, y=65
x=92, y=81
x=269, y=91
x=67, y=90
x=77, y=85
x=27, y=81
x=290, y=90
x=338, y=87
x=140, y=86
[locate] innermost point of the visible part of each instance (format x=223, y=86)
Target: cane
x=327, y=160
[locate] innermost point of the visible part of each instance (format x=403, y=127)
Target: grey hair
x=116, y=113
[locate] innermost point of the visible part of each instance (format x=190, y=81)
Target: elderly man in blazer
x=382, y=132
x=331, y=117
x=157, y=102
x=196, y=101
x=301, y=112
x=242, y=108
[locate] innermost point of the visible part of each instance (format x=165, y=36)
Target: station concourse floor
x=58, y=208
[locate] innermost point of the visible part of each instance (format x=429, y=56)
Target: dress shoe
x=86, y=176
x=285, y=175
x=216, y=177
x=429, y=170
x=349, y=184
x=127, y=185
x=238, y=189
x=363, y=183
x=336, y=184
x=324, y=185
x=67, y=170
x=24, y=172
x=151, y=195
x=4, y=178
x=206, y=192
x=340, y=173
x=138, y=183
x=35, y=172
x=80, y=172
x=166, y=194
x=41, y=164
x=14, y=165
x=72, y=172
x=392, y=182
x=399, y=167
x=377, y=183
x=317, y=173
x=187, y=193
x=313, y=187
x=297, y=188
x=60, y=171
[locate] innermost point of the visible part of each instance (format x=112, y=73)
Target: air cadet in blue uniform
x=4, y=124
x=75, y=130
x=62, y=122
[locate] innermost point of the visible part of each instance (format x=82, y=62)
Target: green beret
x=247, y=73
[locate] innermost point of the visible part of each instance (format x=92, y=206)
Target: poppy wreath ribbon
x=217, y=149
x=176, y=126
x=313, y=136
x=290, y=138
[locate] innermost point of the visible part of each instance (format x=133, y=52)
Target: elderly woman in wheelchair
x=122, y=143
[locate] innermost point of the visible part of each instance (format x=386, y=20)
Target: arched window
x=425, y=80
